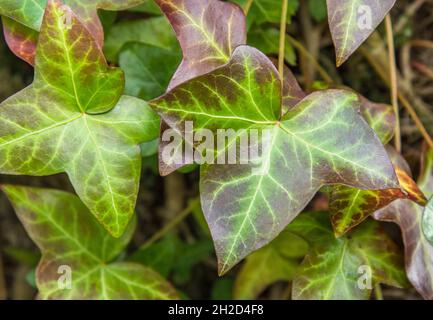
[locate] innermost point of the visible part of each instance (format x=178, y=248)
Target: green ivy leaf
x=148, y=69
x=153, y=31
x=268, y=11
x=30, y=13
x=49, y=128
x=191, y=255
x=31, y=278
x=351, y=23
x=349, y=207
x=68, y=236
x=427, y=222
x=148, y=6
x=172, y=256
x=317, y=9
x=425, y=180
x=408, y=216
x=309, y=147
x=278, y=261
x=333, y=268
x=108, y=18
x=222, y=289
x=26, y=12
x=160, y=256
x=267, y=41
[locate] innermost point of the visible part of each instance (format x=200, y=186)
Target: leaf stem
x=393, y=81
x=378, y=291
x=283, y=25
x=247, y=7
x=172, y=224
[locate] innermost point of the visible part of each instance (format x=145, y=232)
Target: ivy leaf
x=267, y=41
x=147, y=68
x=317, y=9
x=206, y=44
x=334, y=268
x=278, y=261
x=21, y=40
x=352, y=22
x=309, y=147
x=173, y=256
x=153, y=31
x=268, y=11
x=160, y=256
x=381, y=118
x=408, y=216
x=425, y=180
x=349, y=207
x=190, y=256
x=51, y=126
x=30, y=14
x=147, y=6
x=292, y=92
x=69, y=237
x=427, y=222
x=26, y=12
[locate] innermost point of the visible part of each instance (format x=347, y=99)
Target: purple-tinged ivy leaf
x=408, y=216
x=29, y=13
x=322, y=140
x=349, y=207
x=352, y=21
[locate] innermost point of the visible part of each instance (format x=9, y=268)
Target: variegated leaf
x=208, y=31
x=76, y=248
x=349, y=207
x=29, y=13
x=21, y=40
x=352, y=21
x=322, y=140
x=427, y=221
x=408, y=216
x=348, y=267
x=71, y=120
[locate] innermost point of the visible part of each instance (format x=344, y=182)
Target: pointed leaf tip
x=352, y=22
x=50, y=127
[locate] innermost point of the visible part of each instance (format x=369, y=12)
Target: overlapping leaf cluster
x=245, y=93
x=75, y=119
x=76, y=242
